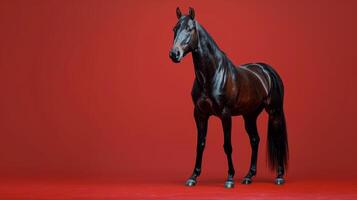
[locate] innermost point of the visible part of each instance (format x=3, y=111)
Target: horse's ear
x=178, y=13
x=191, y=12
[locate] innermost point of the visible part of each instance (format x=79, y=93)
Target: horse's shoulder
x=195, y=91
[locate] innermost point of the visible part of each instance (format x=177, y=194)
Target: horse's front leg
x=226, y=119
x=201, y=124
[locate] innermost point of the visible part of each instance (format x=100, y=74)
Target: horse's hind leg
x=250, y=123
x=278, y=150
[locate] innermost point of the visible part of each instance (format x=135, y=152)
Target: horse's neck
x=208, y=60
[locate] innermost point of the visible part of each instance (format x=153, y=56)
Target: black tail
x=278, y=149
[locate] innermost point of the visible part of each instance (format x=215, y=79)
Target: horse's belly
x=247, y=103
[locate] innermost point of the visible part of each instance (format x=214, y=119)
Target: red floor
x=307, y=190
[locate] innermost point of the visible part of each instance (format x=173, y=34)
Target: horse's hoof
x=190, y=182
x=229, y=184
x=247, y=181
x=279, y=181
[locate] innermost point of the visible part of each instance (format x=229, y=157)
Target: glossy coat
x=221, y=89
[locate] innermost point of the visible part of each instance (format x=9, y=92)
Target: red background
x=88, y=90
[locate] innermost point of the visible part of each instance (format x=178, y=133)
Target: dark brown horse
x=223, y=90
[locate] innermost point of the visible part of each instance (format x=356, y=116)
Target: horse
x=223, y=90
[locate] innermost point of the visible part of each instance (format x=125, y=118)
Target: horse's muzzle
x=175, y=55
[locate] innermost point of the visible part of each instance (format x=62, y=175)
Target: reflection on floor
x=90, y=190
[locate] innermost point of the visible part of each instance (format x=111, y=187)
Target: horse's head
x=185, y=35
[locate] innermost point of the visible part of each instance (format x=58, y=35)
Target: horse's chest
x=205, y=104
x=209, y=105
